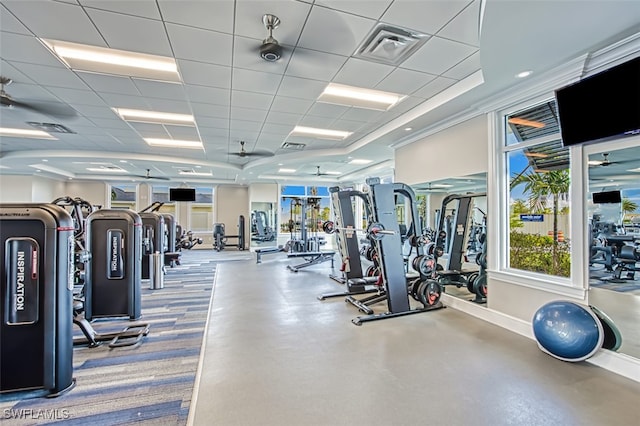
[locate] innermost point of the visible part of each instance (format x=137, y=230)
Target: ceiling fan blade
x=53, y=109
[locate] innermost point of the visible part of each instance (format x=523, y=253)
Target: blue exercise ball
x=567, y=330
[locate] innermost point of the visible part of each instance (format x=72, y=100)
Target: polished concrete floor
x=276, y=355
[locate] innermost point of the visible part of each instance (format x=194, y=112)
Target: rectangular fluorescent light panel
x=359, y=97
x=106, y=169
x=359, y=161
x=194, y=173
x=25, y=133
x=141, y=116
x=102, y=60
x=286, y=170
x=336, y=135
x=174, y=143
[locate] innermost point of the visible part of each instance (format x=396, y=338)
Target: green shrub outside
x=534, y=252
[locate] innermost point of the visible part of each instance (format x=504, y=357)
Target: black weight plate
x=429, y=292
x=415, y=284
x=471, y=280
x=480, y=285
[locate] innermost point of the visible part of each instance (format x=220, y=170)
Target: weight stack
x=113, y=289
x=36, y=310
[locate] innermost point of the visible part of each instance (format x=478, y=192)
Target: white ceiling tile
x=19, y=91
x=465, y=26
x=334, y=32
x=9, y=24
x=207, y=123
x=169, y=105
x=131, y=33
x=244, y=135
x=244, y=125
x=314, y=65
x=248, y=114
x=316, y=121
x=142, y=8
x=448, y=52
x=254, y=81
x=111, y=124
x=277, y=129
x=159, y=89
x=93, y=112
x=19, y=49
x=251, y=100
x=347, y=125
x=292, y=15
x=292, y=105
x=53, y=76
x=301, y=88
x=283, y=118
x=200, y=45
x=404, y=81
x=210, y=110
x=360, y=73
x=183, y=133
x=246, y=54
x=125, y=101
x=369, y=9
x=465, y=68
x=37, y=16
x=425, y=16
x=212, y=95
x=110, y=83
x=361, y=114
x=212, y=15
x=322, y=109
x=434, y=87
x=75, y=96
x=149, y=129
x=205, y=74
x=213, y=133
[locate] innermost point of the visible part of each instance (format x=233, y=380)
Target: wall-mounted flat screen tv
x=607, y=197
x=603, y=106
x=182, y=194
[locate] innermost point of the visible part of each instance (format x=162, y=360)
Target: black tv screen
x=602, y=106
x=182, y=194
x=607, y=197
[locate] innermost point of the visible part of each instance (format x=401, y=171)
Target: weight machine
x=220, y=238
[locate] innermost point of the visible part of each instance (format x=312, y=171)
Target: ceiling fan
x=149, y=176
x=606, y=162
x=319, y=173
x=244, y=153
x=52, y=109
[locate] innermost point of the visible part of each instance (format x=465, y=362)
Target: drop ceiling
x=473, y=49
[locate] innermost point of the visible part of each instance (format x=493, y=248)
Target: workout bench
x=266, y=250
x=312, y=258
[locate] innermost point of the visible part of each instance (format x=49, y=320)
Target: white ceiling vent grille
x=291, y=145
x=390, y=45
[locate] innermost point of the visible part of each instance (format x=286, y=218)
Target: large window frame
x=499, y=195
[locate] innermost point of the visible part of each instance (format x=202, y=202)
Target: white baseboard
x=621, y=364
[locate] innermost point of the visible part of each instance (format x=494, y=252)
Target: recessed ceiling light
x=103, y=60
x=319, y=133
x=523, y=74
x=360, y=161
x=408, y=129
x=142, y=116
x=174, y=143
x=633, y=170
x=44, y=160
x=286, y=170
x=359, y=97
x=25, y=133
x=107, y=169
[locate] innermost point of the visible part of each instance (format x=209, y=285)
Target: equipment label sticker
x=115, y=261
x=22, y=255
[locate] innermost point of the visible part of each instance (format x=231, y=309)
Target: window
x=202, y=210
x=123, y=196
x=537, y=192
x=314, y=200
x=161, y=195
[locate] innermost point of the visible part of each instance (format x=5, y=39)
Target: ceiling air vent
x=390, y=45
x=50, y=127
x=291, y=145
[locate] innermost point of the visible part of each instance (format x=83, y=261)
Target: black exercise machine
x=220, y=238
x=36, y=330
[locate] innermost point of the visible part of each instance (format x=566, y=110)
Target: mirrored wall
x=613, y=210
x=263, y=224
x=454, y=212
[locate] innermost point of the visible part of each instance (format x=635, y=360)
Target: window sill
x=557, y=285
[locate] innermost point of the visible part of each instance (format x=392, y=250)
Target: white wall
x=45, y=190
x=16, y=189
x=231, y=202
x=93, y=192
x=457, y=151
